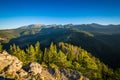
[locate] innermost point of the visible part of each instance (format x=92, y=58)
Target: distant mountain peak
x=31, y=26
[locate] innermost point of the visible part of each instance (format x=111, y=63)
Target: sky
x=16, y=13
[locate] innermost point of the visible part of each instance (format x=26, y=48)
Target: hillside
x=7, y=35
x=58, y=62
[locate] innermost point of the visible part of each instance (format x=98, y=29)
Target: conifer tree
x=61, y=59
x=23, y=56
x=30, y=52
x=1, y=47
x=38, y=52
x=16, y=51
x=52, y=52
x=14, y=47
x=45, y=56
x=20, y=54
x=70, y=55
x=13, y=50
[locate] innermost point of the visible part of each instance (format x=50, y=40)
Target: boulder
x=33, y=68
x=9, y=63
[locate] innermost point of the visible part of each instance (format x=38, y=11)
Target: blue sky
x=16, y=13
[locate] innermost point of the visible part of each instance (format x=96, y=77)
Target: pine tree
x=30, y=52
x=20, y=54
x=61, y=59
x=50, y=54
x=70, y=55
x=45, y=56
x=13, y=50
x=14, y=47
x=23, y=56
x=38, y=52
x=1, y=47
x=16, y=51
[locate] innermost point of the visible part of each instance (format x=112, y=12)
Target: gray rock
x=33, y=68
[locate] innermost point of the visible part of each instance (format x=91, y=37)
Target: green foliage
x=45, y=56
x=117, y=74
x=66, y=56
x=31, y=55
x=50, y=54
x=61, y=59
x=77, y=66
x=38, y=52
x=70, y=55
x=16, y=51
x=1, y=47
x=52, y=65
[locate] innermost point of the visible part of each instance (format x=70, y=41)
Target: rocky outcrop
x=9, y=63
x=12, y=69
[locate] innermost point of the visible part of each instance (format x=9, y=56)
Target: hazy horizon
x=55, y=24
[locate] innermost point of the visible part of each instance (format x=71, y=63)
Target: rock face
x=9, y=63
x=12, y=69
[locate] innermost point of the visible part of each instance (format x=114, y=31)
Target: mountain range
x=102, y=41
